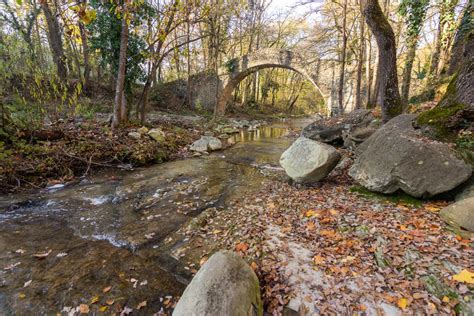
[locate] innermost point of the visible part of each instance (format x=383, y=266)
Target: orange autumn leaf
x=328, y=233
x=310, y=226
x=241, y=246
x=432, y=208
x=311, y=213
x=318, y=259
x=254, y=266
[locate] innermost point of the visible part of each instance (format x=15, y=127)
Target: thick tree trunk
x=119, y=115
x=406, y=76
x=455, y=111
x=55, y=41
x=389, y=97
x=461, y=39
x=340, y=92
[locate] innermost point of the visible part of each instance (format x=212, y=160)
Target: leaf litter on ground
x=330, y=250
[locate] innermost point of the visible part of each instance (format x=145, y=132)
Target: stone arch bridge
x=235, y=70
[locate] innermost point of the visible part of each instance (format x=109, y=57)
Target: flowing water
x=62, y=246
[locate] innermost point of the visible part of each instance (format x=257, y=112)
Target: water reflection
x=262, y=132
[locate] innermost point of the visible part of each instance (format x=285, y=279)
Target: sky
x=295, y=6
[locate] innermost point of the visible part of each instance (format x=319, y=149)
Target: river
x=100, y=241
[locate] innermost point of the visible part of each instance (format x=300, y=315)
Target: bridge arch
x=235, y=70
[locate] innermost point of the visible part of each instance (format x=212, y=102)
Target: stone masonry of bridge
x=235, y=70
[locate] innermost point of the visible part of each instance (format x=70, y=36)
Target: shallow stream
x=63, y=247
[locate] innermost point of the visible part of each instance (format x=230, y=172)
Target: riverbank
x=66, y=151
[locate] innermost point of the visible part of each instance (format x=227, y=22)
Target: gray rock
x=134, y=135
x=397, y=157
x=157, y=134
x=460, y=214
x=356, y=136
x=206, y=143
x=331, y=130
x=467, y=190
x=309, y=161
x=225, y=285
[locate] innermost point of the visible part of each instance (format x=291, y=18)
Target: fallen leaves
x=311, y=213
x=84, y=309
x=141, y=305
x=464, y=276
x=318, y=260
x=342, y=231
x=242, y=247
x=42, y=255
x=11, y=266
x=106, y=289
x=402, y=303
x=103, y=309
x=110, y=302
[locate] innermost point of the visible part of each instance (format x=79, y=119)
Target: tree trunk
x=55, y=41
x=436, y=53
x=375, y=81
x=156, y=65
x=119, y=116
x=455, y=111
x=85, y=53
x=406, y=76
x=389, y=96
x=340, y=92
x=461, y=39
x=360, y=62
x=368, y=77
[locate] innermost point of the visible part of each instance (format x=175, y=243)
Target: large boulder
x=397, y=157
x=460, y=214
x=225, y=285
x=331, y=130
x=206, y=143
x=308, y=161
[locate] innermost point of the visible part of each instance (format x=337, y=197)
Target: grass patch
x=397, y=197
